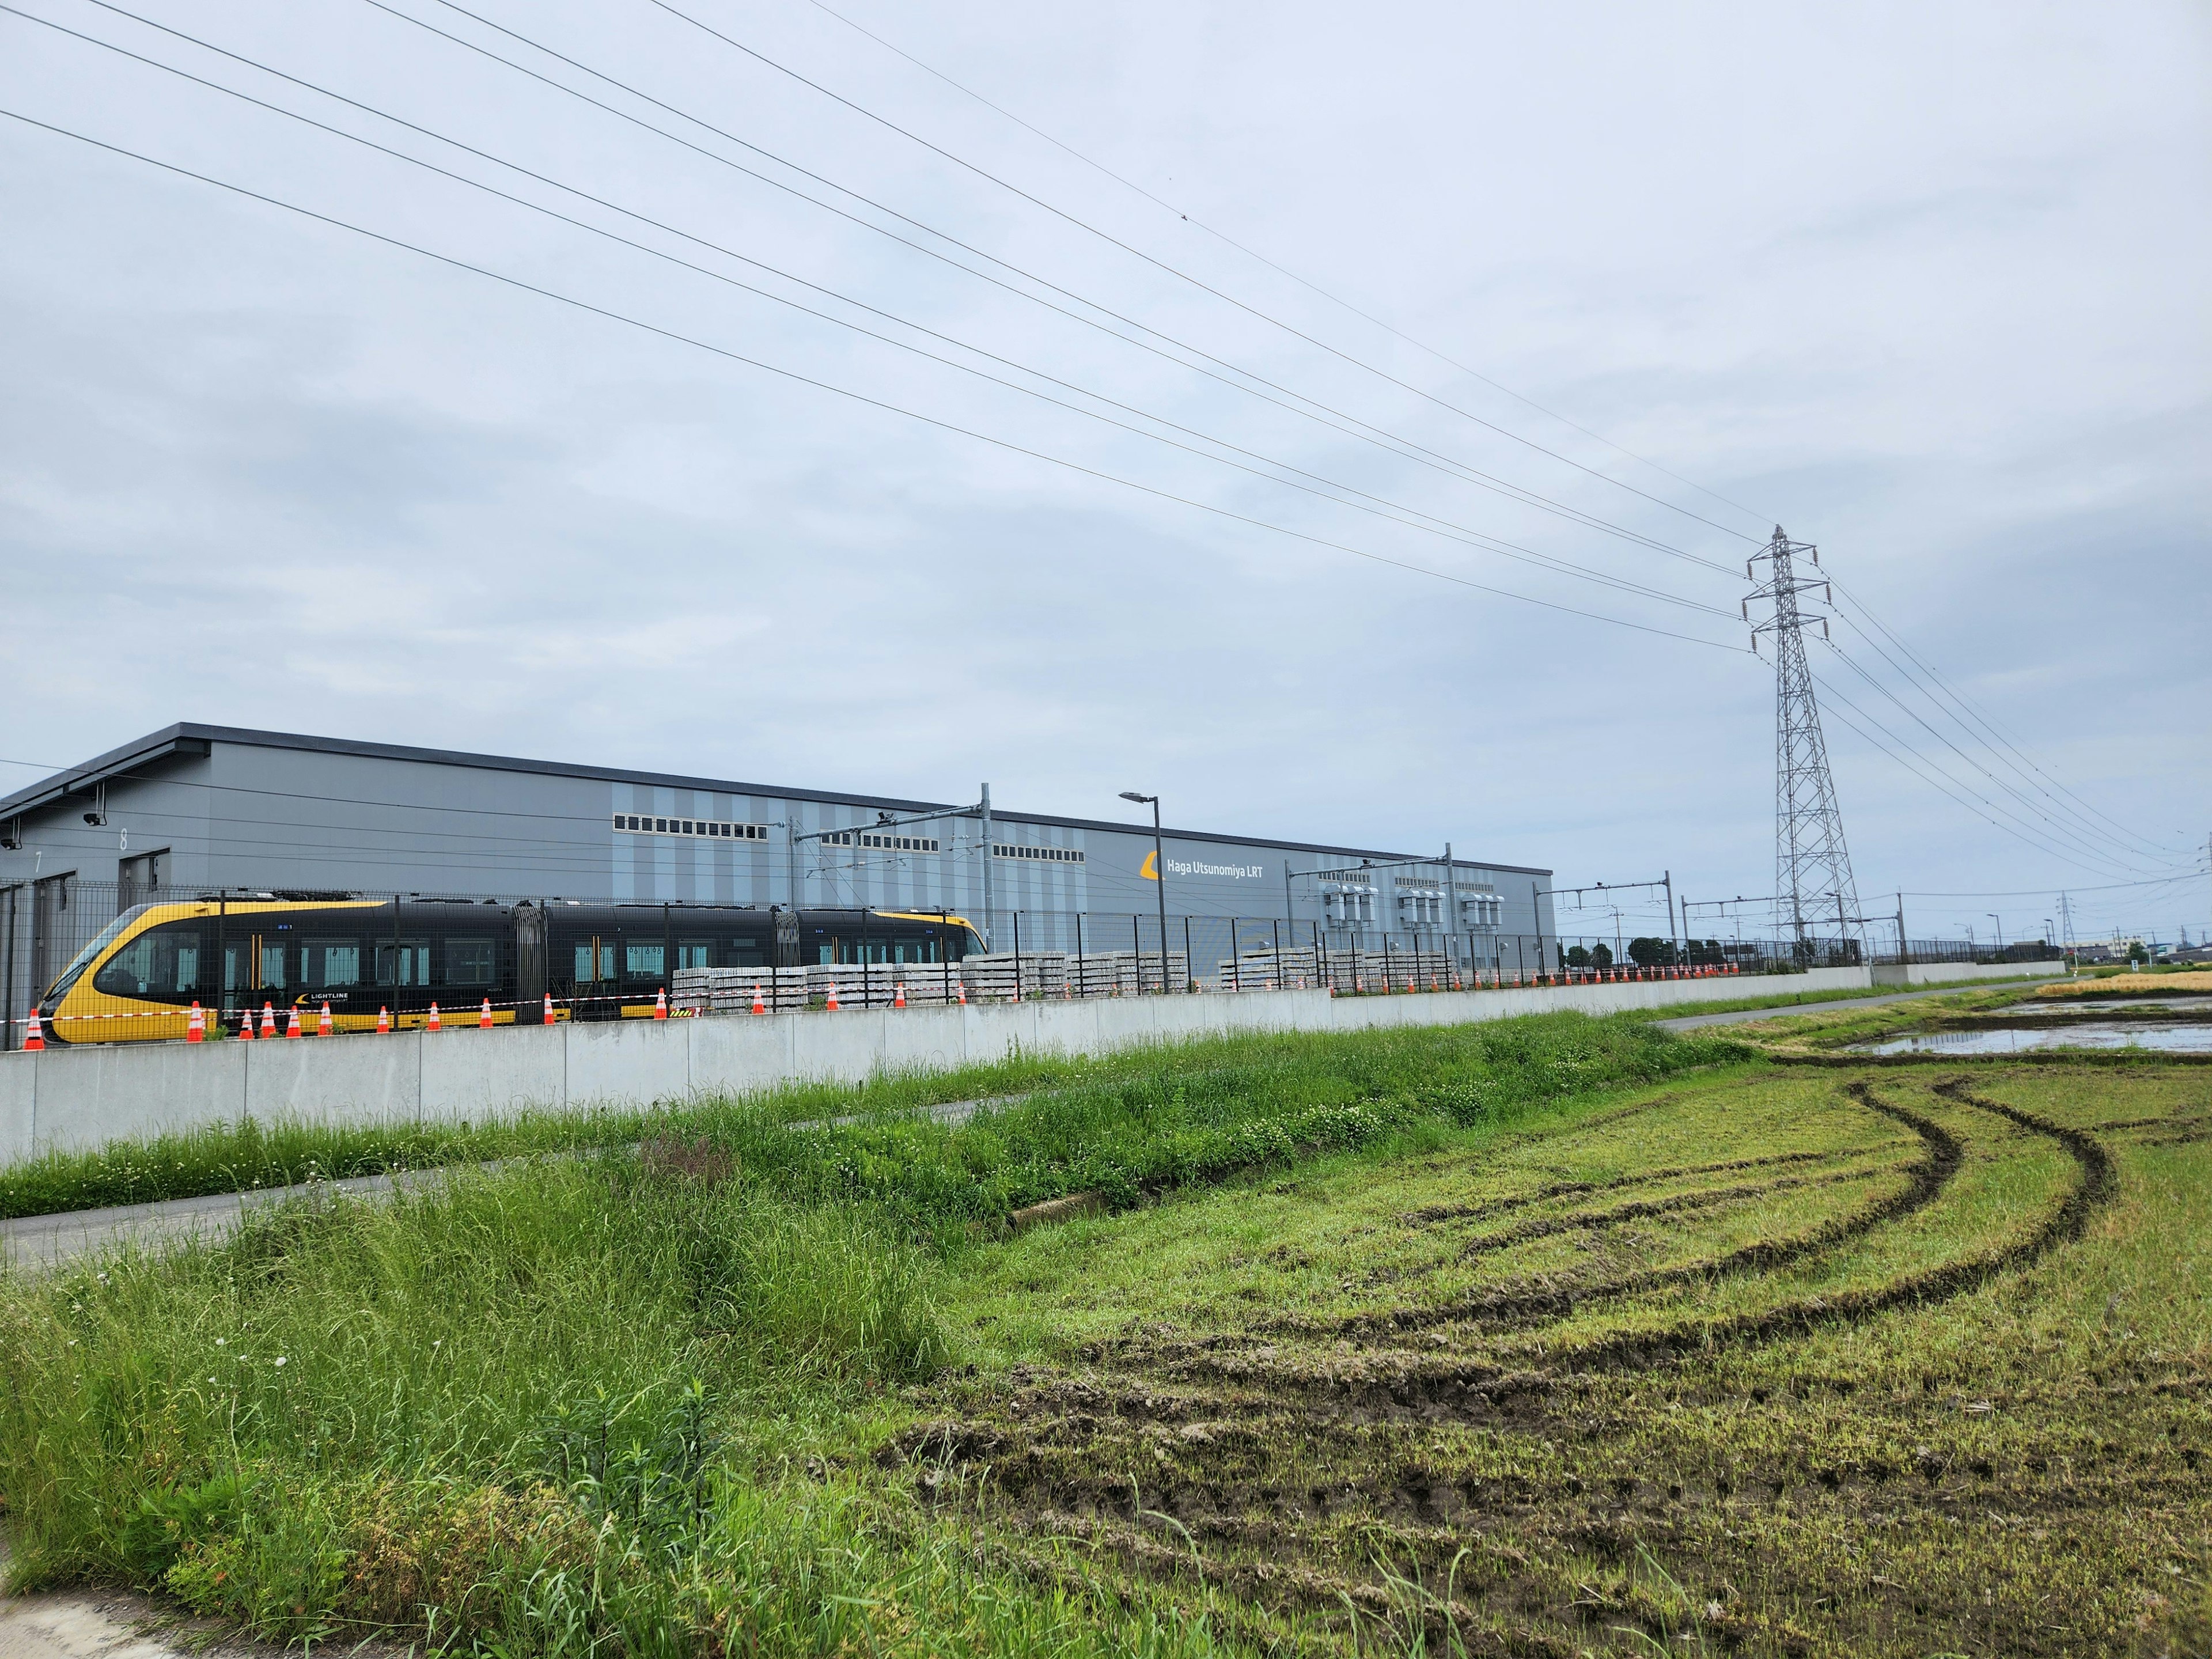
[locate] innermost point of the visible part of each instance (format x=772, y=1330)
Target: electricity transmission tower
x=1812, y=867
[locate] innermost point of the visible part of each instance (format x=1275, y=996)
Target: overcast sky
x=1925, y=285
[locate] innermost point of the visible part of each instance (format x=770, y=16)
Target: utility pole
x=2066, y=931
x=1673, y=938
x=1160, y=884
x=986, y=865
x=1812, y=865
x=1451, y=902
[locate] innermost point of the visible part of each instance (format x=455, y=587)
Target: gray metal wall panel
x=304, y=815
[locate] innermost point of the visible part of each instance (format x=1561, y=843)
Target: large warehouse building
x=195, y=809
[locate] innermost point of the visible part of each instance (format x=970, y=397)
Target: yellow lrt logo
x=1150, y=872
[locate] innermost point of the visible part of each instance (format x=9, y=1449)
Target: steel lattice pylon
x=1812, y=880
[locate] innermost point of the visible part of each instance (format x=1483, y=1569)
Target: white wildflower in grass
x=222, y=1342
x=280, y=1360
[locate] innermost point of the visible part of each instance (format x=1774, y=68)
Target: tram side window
x=644, y=960
x=159, y=964
x=745, y=953
x=272, y=965
x=330, y=963
x=595, y=961
x=695, y=953
x=471, y=961
x=411, y=957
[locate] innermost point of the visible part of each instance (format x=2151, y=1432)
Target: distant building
x=196, y=809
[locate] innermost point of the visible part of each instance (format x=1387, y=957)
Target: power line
x=1404, y=447
x=1434, y=524
x=2061, y=831
x=1989, y=725
x=845, y=391
x=2020, y=833
x=1180, y=275
x=1302, y=282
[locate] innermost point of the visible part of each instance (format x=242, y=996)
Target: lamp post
x=1999, y=920
x=1160, y=876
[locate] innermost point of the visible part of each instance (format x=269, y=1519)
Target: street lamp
x=1160, y=878
x=1999, y=920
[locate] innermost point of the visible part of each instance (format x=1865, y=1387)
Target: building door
x=139, y=880
x=11, y=905
x=53, y=919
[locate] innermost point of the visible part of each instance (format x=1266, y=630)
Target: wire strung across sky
x=733, y=355
x=1235, y=376
x=2078, y=834
x=1321, y=486
x=1305, y=283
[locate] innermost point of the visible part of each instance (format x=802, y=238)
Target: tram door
x=599, y=975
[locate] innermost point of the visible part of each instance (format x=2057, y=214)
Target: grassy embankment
x=550, y=1403
x=250, y=1156
x=1565, y=1349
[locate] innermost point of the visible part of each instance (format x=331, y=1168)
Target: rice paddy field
x=1559, y=1336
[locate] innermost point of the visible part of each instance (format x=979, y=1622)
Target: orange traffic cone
x=760, y=1002
x=196, y=1027
x=246, y=1027
x=549, y=1007
x=383, y=1021
x=963, y=994
x=659, y=1005
x=323, y=1026
x=483, y=1020
x=292, y=1022
x=268, y=1019
x=898, y=994
x=831, y=1005
x=36, y=1041
x=431, y=1023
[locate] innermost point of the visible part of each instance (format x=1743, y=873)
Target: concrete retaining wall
x=73, y=1099
x=1954, y=973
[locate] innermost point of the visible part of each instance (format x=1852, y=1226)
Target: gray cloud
x=1924, y=287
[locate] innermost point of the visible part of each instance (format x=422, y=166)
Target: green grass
x=1121, y=1122
x=1545, y=1336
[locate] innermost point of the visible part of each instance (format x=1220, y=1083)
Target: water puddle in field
x=2175, y=1038
x=2192, y=1003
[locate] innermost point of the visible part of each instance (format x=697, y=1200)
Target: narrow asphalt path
x=47, y=1241
x=1737, y=1016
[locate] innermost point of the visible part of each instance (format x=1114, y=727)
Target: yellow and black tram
x=365, y=957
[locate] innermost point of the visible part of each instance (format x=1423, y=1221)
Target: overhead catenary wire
x=1399, y=512
x=1395, y=443
x=1303, y=282
x=794, y=375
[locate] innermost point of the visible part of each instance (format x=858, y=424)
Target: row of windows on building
x=707, y=828
x=633, y=823
x=882, y=841
x=1037, y=854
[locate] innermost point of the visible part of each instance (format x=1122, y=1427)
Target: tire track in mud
x=1705, y=1198
x=1926, y=1177
x=1207, y=1422
x=1432, y=1214
x=2097, y=1183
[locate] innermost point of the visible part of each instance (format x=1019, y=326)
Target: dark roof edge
x=190, y=736
x=71, y=781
